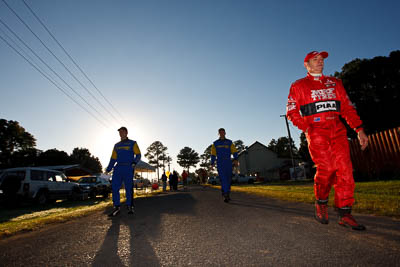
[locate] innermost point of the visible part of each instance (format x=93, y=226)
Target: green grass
x=379, y=198
x=32, y=217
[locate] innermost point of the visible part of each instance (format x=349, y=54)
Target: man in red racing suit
x=314, y=105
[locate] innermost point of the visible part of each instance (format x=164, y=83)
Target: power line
x=25, y=53
x=76, y=64
x=51, y=69
x=55, y=84
x=48, y=49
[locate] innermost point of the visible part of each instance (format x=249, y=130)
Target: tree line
x=373, y=86
x=18, y=149
x=187, y=157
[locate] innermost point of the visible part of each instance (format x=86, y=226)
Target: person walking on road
x=221, y=151
x=176, y=180
x=185, y=180
x=314, y=106
x=126, y=154
x=173, y=181
x=203, y=177
x=164, y=180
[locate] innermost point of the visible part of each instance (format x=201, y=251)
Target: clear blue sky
x=179, y=70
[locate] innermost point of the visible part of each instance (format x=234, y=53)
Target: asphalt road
x=197, y=228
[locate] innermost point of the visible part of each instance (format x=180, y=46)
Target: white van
x=38, y=184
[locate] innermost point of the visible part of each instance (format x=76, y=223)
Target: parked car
x=38, y=184
x=240, y=178
x=213, y=180
x=94, y=186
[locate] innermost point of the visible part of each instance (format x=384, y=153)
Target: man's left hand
x=363, y=138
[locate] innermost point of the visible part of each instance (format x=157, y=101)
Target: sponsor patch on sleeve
x=291, y=105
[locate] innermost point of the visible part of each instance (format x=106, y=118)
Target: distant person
x=164, y=180
x=221, y=151
x=315, y=104
x=203, y=176
x=171, y=182
x=174, y=180
x=126, y=154
x=185, y=179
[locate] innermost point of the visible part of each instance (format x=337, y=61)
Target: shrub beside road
x=379, y=198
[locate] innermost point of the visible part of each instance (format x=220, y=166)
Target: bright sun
x=104, y=143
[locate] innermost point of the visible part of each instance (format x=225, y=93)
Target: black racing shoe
x=347, y=220
x=115, y=212
x=226, y=198
x=321, y=211
x=130, y=210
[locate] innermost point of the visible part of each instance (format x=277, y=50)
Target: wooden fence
x=382, y=156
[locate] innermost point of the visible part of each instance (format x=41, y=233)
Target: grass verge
x=33, y=217
x=378, y=198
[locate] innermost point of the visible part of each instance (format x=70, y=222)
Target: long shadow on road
x=127, y=241
x=377, y=226
x=270, y=206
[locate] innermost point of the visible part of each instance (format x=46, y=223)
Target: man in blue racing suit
x=221, y=151
x=126, y=154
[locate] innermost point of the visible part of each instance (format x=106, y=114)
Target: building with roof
x=70, y=170
x=258, y=160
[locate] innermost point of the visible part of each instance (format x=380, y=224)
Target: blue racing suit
x=125, y=154
x=221, y=151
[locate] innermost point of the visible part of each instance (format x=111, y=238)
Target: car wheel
x=10, y=186
x=76, y=194
x=93, y=194
x=251, y=181
x=214, y=183
x=42, y=198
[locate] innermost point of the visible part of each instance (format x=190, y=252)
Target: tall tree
x=239, y=145
x=187, y=158
x=13, y=137
x=166, y=161
x=373, y=85
x=53, y=157
x=205, y=158
x=281, y=147
x=83, y=157
x=304, y=154
x=272, y=145
x=156, y=155
x=25, y=157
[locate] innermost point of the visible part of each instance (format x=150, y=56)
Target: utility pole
x=290, y=144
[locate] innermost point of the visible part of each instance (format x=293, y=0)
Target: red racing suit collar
x=315, y=77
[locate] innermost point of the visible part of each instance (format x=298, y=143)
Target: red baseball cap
x=312, y=54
